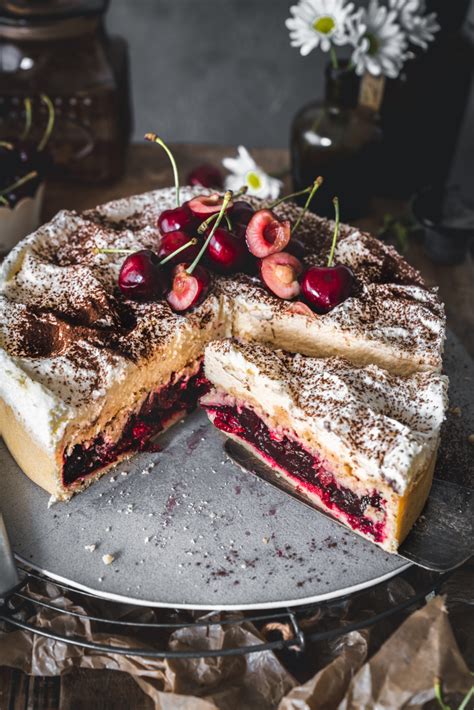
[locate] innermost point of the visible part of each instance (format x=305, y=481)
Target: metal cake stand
x=189, y=530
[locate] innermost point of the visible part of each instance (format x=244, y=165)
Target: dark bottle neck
x=342, y=86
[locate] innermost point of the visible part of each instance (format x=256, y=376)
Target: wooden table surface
x=147, y=169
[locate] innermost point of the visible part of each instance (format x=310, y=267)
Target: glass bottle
x=338, y=139
x=60, y=48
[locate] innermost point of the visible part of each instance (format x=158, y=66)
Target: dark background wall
x=223, y=71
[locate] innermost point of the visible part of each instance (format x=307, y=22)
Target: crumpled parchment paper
x=391, y=665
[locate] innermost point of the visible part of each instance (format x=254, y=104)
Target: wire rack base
x=279, y=630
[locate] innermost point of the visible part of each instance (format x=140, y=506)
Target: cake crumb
x=108, y=529
x=113, y=479
x=90, y=548
x=108, y=559
x=456, y=411
x=52, y=501
x=265, y=540
x=147, y=539
x=124, y=473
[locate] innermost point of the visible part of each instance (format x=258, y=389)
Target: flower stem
x=153, y=138
x=334, y=60
x=20, y=182
x=314, y=189
x=28, y=119
x=336, y=231
x=289, y=197
x=177, y=251
x=225, y=202
x=50, y=125
x=3, y=201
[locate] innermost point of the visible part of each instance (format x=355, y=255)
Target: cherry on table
x=141, y=276
x=187, y=290
x=266, y=234
x=280, y=273
x=325, y=287
x=206, y=175
x=226, y=253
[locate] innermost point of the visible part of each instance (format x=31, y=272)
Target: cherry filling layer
x=156, y=411
x=309, y=471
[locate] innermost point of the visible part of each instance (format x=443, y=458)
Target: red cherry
x=242, y=212
x=203, y=206
x=226, y=253
x=177, y=218
x=141, y=276
x=280, y=273
x=171, y=241
x=206, y=175
x=266, y=234
x=188, y=290
x=324, y=287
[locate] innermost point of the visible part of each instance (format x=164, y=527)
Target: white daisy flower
x=419, y=27
x=380, y=45
x=318, y=23
x=245, y=171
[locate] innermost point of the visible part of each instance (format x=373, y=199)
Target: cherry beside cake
x=105, y=317
x=359, y=442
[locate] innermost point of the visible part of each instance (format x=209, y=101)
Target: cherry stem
x=336, y=231
x=204, y=225
x=6, y=144
x=112, y=250
x=3, y=200
x=20, y=182
x=177, y=251
x=153, y=138
x=316, y=184
x=225, y=202
x=242, y=191
x=289, y=197
x=50, y=125
x=28, y=119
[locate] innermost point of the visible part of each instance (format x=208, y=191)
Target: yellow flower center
x=253, y=180
x=324, y=24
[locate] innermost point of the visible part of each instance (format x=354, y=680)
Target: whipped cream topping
x=378, y=423
x=67, y=335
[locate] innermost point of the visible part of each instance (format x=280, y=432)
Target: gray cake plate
x=189, y=529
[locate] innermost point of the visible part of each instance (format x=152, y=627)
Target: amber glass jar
x=60, y=48
x=338, y=139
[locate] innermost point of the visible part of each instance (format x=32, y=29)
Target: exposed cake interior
x=156, y=411
x=310, y=472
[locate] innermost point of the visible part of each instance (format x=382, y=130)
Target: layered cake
x=357, y=441
x=92, y=370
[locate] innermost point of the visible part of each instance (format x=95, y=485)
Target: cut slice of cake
x=359, y=442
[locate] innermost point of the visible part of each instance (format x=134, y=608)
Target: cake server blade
x=442, y=538
x=8, y=574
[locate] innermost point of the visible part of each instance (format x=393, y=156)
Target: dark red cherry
x=325, y=287
x=226, y=253
x=266, y=234
x=206, y=175
x=280, y=273
x=171, y=241
x=187, y=290
x=242, y=212
x=203, y=206
x=141, y=276
x=177, y=218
